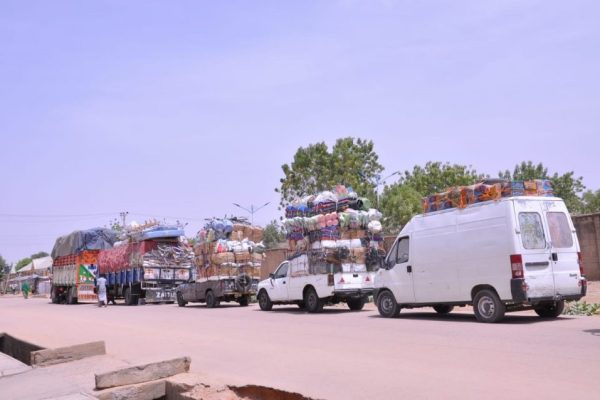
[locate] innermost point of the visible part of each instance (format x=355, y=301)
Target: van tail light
x=580, y=260
x=516, y=265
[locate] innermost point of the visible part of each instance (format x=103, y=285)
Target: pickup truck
x=312, y=282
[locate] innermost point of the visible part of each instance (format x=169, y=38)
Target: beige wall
x=588, y=232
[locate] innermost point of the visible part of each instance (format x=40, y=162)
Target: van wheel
x=550, y=310
x=356, y=304
x=180, y=301
x=443, y=308
x=488, y=307
x=313, y=303
x=387, y=305
x=211, y=300
x=264, y=302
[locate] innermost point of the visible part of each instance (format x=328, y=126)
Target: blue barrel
x=111, y=278
x=129, y=278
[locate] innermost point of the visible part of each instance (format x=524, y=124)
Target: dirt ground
x=593, y=293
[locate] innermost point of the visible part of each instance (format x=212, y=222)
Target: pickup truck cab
x=312, y=283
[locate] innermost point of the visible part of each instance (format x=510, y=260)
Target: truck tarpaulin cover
x=124, y=257
x=78, y=241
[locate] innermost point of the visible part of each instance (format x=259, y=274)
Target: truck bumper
x=518, y=288
x=353, y=293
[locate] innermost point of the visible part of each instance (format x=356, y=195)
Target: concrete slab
x=143, y=373
x=11, y=366
x=59, y=355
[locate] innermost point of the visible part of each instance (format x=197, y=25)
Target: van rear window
x=532, y=233
x=560, y=232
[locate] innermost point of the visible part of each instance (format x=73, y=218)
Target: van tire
x=443, y=308
x=488, y=307
x=356, y=304
x=550, y=310
x=387, y=305
x=313, y=303
x=264, y=302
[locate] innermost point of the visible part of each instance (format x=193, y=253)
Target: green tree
x=273, y=235
x=566, y=186
x=351, y=162
x=436, y=177
x=39, y=254
x=399, y=204
x=591, y=202
x=3, y=267
x=23, y=262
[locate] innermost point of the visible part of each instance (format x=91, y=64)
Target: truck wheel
x=387, y=305
x=244, y=301
x=130, y=298
x=71, y=295
x=313, y=303
x=356, y=304
x=180, y=301
x=550, y=310
x=211, y=300
x=443, y=308
x=488, y=307
x=54, y=295
x=264, y=301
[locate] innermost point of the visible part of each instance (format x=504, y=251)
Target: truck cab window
x=560, y=232
x=282, y=271
x=532, y=233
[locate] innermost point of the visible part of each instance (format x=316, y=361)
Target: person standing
x=25, y=289
x=101, y=285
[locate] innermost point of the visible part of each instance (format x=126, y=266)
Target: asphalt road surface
x=337, y=354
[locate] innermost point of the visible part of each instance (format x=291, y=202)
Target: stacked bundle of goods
x=336, y=227
x=225, y=245
x=462, y=196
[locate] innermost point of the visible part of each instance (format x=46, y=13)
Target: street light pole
x=252, y=209
x=380, y=181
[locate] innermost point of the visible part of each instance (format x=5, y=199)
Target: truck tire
x=244, y=300
x=211, y=300
x=443, y=308
x=264, y=302
x=356, y=304
x=180, y=301
x=387, y=305
x=130, y=298
x=313, y=303
x=488, y=307
x=54, y=295
x=72, y=295
x=550, y=310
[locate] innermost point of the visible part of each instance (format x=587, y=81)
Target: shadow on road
x=595, y=332
x=298, y=311
x=509, y=319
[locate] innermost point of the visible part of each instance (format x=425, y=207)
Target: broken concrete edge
x=42, y=358
x=140, y=391
x=142, y=373
x=17, y=348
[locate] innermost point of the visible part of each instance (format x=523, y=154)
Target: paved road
x=337, y=354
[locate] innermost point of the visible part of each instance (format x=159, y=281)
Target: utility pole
x=123, y=215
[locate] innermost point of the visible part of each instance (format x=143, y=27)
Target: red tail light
x=516, y=265
x=580, y=260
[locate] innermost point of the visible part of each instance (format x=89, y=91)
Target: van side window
x=402, y=255
x=532, y=233
x=560, y=232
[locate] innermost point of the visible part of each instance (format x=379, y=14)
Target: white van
x=512, y=254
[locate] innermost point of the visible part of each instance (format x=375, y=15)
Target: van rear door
x=563, y=249
x=534, y=249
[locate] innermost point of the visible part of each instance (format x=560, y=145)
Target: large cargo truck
x=75, y=264
x=147, y=269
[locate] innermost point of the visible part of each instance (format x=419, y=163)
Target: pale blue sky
x=179, y=108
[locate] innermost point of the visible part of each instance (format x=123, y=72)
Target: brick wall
x=588, y=232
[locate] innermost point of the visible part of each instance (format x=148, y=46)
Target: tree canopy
x=273, y=235
x=566, y=186
x=351, y=162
